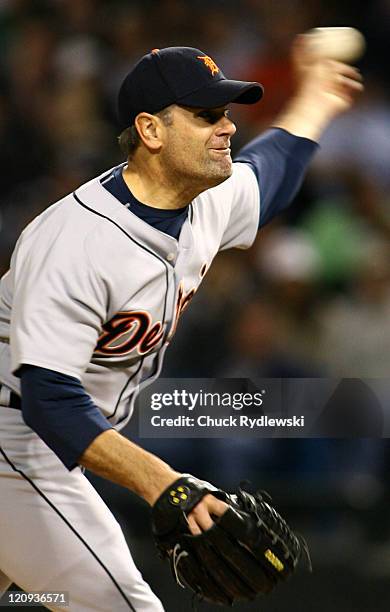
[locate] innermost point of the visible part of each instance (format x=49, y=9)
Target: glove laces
x=178, y=554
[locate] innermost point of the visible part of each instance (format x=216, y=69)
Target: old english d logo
x=209, y=63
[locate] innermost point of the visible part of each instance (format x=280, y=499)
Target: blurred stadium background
x=310, y=299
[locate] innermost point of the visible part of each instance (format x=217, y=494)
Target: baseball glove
x=249, y=549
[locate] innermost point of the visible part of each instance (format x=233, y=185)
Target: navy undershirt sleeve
x=59, y=410
x=279, y=160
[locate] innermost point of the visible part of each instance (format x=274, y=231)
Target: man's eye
x=210, y=117
x=213, y=117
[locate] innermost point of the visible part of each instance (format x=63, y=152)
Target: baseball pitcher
x=96, y=286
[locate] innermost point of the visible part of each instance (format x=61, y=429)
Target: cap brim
x=223, y=92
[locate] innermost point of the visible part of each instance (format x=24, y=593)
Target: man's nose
x=225, y=127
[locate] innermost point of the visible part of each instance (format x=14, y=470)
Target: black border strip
x=70, y=527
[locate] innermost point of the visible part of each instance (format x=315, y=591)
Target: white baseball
x=341, y=44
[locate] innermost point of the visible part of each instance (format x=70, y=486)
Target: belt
x=14, y=400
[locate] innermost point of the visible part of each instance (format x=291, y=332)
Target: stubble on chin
x=221, y=171
x=204, y=173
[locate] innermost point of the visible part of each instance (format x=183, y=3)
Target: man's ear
x=149, y=128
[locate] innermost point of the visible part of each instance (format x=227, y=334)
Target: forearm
x=114, y=457
x=57, y=407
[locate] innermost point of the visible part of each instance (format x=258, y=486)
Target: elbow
x=31, y=417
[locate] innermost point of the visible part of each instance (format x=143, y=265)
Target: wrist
x=165, y=481
x=305, y=116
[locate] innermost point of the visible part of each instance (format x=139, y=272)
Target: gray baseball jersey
x=95, y=293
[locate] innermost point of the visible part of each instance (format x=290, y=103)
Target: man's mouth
x=222, y=150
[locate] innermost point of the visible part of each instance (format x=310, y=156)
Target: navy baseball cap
x=183, y=76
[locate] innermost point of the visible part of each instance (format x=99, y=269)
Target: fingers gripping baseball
x=328, y=82
x=319, y=60
x=340, y=80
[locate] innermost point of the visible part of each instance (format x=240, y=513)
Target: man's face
x=197, y=147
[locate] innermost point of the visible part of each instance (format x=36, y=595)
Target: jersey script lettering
x=129, y=330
